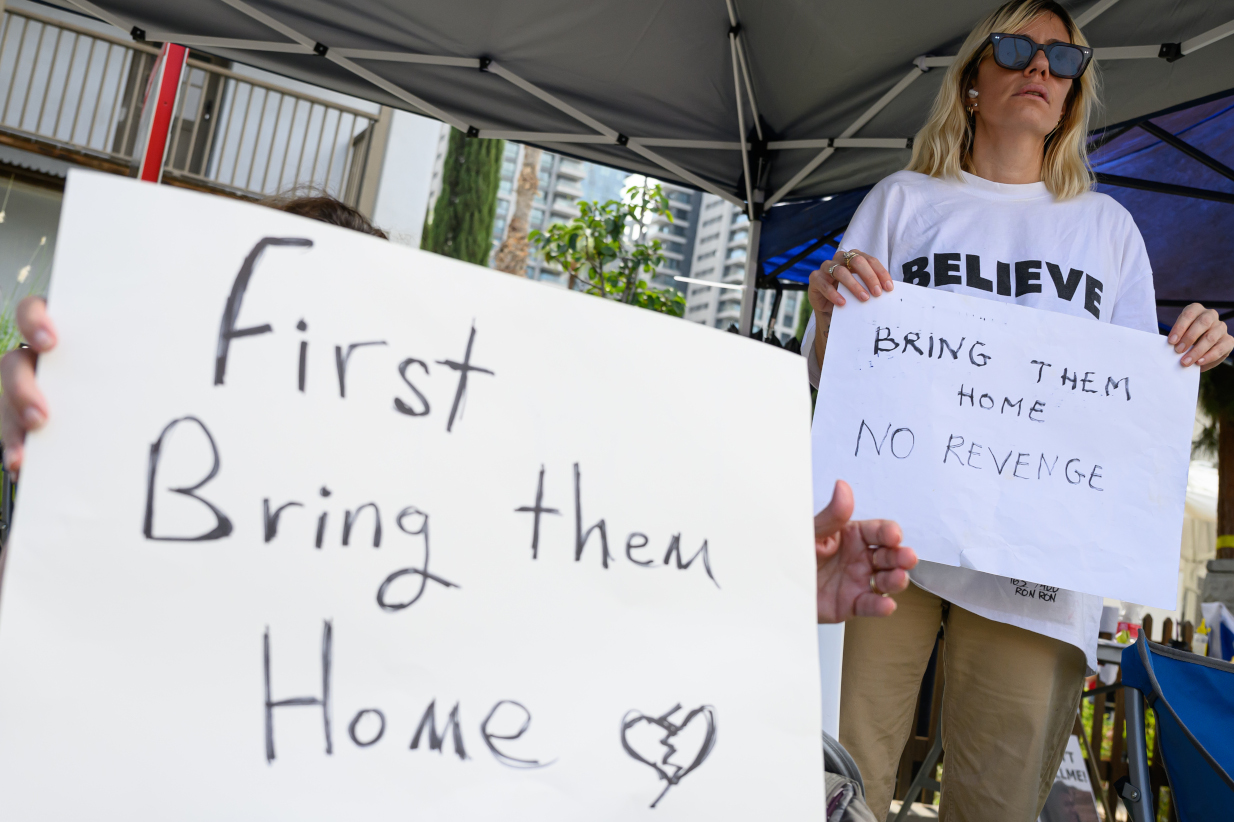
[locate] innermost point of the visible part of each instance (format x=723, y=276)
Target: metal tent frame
x=757, y=153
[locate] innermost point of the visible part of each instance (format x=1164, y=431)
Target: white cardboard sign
x=323, y=528
x=1010, y=440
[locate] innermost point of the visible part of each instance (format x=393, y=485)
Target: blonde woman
x=999, y=172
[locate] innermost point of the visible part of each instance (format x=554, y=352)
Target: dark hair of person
x=326, y=209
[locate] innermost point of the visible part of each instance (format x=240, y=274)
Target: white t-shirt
x=1012, y=243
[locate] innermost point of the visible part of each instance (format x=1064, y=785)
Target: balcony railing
x=78, y=94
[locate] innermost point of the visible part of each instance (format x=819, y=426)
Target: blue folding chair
x=1193, y=699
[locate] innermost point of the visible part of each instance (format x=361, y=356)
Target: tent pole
x=741, y=124
x=749, y=296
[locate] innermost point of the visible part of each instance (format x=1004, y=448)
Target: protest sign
x=322, y=527
x=1071, y=796
x=1011, y=440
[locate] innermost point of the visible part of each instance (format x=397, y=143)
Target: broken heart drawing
x=698, y=725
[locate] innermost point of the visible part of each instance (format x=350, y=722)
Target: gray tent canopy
x=755, y=103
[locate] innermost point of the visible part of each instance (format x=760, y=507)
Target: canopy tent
x=754, y=104
x=1174, y=172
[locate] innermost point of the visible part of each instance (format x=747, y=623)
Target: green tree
x=461, y=225
x=605, y=250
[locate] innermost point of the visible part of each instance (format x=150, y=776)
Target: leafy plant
x=10, y=336
x=605, y=250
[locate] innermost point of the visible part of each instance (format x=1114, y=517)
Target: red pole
x=157, y=112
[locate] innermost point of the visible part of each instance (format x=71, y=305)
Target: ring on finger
x=848, y=257
x=831, y=269
x=874, y=584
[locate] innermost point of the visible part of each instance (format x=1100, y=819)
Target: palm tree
x=1217, y=401
x=512, y=256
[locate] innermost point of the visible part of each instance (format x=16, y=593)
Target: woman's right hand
x=22, y=405
x=864, y=277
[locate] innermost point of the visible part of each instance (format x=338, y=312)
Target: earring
x=972, y=92
x=972, y=96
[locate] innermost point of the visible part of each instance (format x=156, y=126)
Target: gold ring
x=848, y=257
x=874, y=585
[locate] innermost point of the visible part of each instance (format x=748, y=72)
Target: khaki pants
x=1009, y=701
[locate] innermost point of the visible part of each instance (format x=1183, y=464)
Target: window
x=499, y=226
x=712, y=221
x=710, y=238
x=723, y=324
x=705, y=272
x=679, y=196
x=511, y=152
x=546, y=163
x=507, y=168
x=543, y=180
x=563, y=201
x=673, y=229
x=537, y=216
x=714, y=203
x=736, y=236
x=730, y=305
x=671, y=265
x=505, y=187
x=707, y=255
x=740, y=218
x=694, y=309
x=503, y=206
x=681, y=214
x=736, y=254
x=734, y=272
x=540, y=195
x=676, y=248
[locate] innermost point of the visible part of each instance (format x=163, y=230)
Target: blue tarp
x=1190, y=241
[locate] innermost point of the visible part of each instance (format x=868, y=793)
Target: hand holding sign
x=1009, y=440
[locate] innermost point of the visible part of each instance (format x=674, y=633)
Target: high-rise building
x=677, y=236
x=564, y=181
x=723, y=238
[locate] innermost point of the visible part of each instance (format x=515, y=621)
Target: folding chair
x=1193, y=699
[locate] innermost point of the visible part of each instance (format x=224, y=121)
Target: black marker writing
x=674, y=549
x=222, y=527
x=399, y=405
x=381, y=728
x=667, y=771
x=463, y=368
x=536, y=510
x=435, y=740
x=298, y=701
x=231, y=312
x=489, y=736
x=580, y=538
x=341, y=358
x=422, y=571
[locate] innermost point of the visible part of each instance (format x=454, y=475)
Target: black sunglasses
x=1015, y=51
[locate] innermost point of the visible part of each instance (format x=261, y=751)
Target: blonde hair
x=944, y=145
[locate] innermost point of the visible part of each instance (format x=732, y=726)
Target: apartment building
x=719, y=255
x=564, y=181
x=72, y=95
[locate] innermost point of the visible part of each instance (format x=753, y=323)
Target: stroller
x=1193, y=698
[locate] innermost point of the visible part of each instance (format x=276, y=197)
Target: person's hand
x=1201, y=337
x=858, y=562
x=863, y=276
x=22, y=406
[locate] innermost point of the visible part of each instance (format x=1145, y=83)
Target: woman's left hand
x=1201, y=337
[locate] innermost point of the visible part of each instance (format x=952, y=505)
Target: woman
x=1000, y=172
